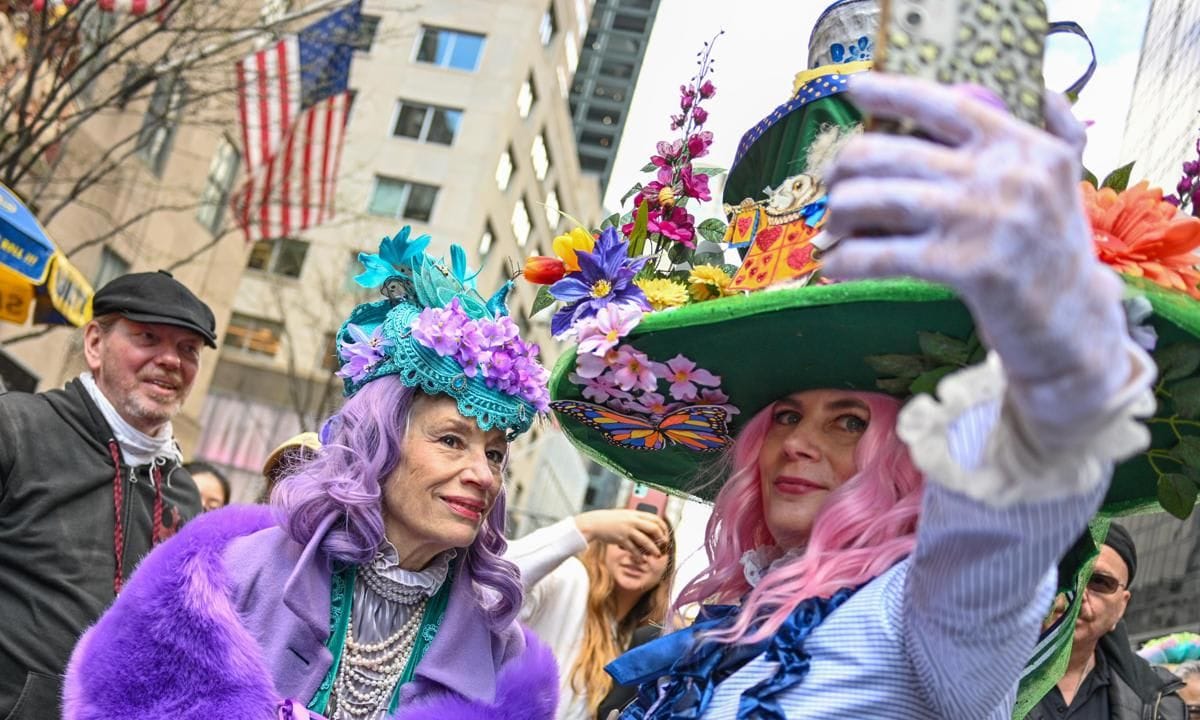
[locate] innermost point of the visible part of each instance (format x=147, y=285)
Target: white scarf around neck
x=137, y=448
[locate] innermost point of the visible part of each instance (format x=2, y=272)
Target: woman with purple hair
x=374, y=586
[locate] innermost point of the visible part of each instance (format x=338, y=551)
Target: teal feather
x=497, y=304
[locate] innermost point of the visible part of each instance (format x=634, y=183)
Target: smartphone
x=647, y=499
x=998, y=44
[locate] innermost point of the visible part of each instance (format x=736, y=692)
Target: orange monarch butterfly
x=696, y=427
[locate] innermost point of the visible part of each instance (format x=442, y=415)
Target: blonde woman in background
x=590, y=581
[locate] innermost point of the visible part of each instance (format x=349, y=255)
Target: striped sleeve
x=981, y=580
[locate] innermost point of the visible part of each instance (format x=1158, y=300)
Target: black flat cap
x=1121, y=541
x=156, y=297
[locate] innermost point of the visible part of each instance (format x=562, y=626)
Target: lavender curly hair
x=362, y=449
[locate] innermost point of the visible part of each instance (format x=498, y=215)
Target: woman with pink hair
x=868, y=561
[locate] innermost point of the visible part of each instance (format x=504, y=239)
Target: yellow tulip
x=565, y=247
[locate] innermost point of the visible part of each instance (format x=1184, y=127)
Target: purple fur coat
x=226, y=620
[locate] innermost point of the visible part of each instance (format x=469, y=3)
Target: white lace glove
x=991, y=207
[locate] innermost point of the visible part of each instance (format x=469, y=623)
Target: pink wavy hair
x=865, y=526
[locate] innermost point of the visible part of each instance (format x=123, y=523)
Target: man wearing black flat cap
x=91, y=479
x=1105, y=679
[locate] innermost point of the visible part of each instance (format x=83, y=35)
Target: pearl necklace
x=369, y=672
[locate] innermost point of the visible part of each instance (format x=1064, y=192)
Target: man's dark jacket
x=56, y=535
x=1136, y=690
x=1139, y=691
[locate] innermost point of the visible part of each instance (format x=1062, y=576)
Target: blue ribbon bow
x=691, y=668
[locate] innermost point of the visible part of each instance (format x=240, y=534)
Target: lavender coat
x=231, y=616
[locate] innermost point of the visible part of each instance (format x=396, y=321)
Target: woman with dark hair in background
x=375, y=585
x=590, y=582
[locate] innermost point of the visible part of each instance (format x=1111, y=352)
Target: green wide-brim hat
x=769, y=344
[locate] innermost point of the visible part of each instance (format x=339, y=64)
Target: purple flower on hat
x=440, y=329
x=632, y=369
x=683, y=375
x=599, y=389
x=364, y=354
x=605, y=276
x=694, y=184
x=590, y=366
x=600, y=334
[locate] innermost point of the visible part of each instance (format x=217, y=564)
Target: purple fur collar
x=173, y=647
x=526, y=689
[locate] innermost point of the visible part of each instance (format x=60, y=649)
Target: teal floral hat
x=438, y=334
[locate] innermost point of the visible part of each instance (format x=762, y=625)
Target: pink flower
x=676, y=224
x=684, y=375
x=633, y=369
x=654, y=404
x=667, y=153
x=714, y=396
x=599, y=389
x=699, y=114
x=591, y=366
x=694, y=184
x=601, y=333
x=707, y=90
x=699, y=143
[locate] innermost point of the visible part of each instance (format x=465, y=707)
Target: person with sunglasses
x=1105, y=679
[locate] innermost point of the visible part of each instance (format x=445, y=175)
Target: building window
x=521, y=225
x=591, y=163
x=572, y=49
x=553, y=209
x=112, y=266
x=540, y=156
x=582, y=15
x=597, y=139
x=215, y=198
x=526, y=96
x=629, y=23
x=609, y=92
x=549, y=25
x=256, y=336
x=402, y=199
x=367, y=27
x=504, y=169
x=449, y=48
x=486, y=240
x=427, y=123
x=281, y=256
x=161, y=121
x=604, y=116
x=616, y=69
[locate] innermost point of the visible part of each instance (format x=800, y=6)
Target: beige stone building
x=461, y=129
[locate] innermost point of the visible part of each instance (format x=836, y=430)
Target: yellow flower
x=708, y=281
x=565, y=247
x=663, y=293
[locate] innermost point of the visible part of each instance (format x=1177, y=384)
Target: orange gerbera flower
x=1137, y=233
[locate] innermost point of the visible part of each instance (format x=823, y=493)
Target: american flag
x=292, y=103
